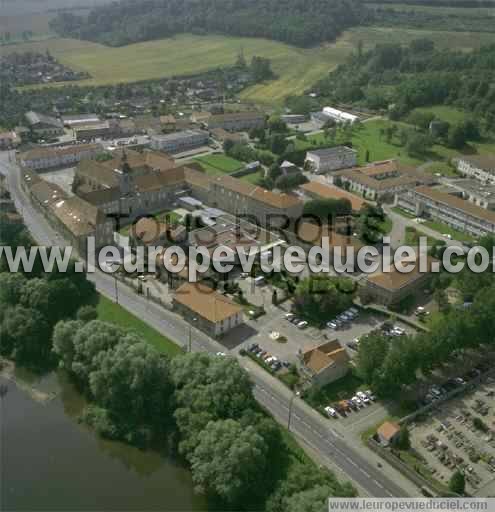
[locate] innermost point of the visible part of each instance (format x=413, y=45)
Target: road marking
x=378, y=483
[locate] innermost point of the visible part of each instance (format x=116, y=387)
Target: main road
x=314, y=430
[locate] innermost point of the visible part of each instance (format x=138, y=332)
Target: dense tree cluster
x=297, y=22
x=406, y=77
x=321, y=298
x=390, y=364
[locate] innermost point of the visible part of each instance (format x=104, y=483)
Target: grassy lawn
x=252, y=178
x=108, y=311
x=443, y=228
x=413, y=234
x=402, y=212
x=445, y=113
x=222, y=164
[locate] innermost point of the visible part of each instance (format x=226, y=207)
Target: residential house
x=330, y=159
x=325, y=363
x=388, y=432
x=9, y=140
x=207, y=310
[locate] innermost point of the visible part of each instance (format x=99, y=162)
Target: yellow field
x=297, y=69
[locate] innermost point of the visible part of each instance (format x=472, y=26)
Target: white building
x=479, y=167
x=179, y=141
x=330, y=159
x=339, y=116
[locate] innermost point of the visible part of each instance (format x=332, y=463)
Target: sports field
x=297, y=69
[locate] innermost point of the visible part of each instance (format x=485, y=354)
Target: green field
x=108, y=311
x=253, y=178
x=444, y=229
x=216, y=165
x=297, y=69
x=445, y=113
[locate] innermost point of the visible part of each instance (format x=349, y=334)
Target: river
x=49, y=462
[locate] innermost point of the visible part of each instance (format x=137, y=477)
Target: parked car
x=332, y=325
x=357, y=401
x=370, y=394
x=363, y=397
x=289, y=316
x=331, y=412
x=221, y=354
x=353, y=346
x=302, y=324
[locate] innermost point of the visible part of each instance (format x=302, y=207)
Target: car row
x=344, y=407
x=271, y=361
x=344, y=318
x=292, y=318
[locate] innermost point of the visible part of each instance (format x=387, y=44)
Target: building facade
x=481, y=168
x=48, y=158
x=332, y=159
x=179, y=141
x=235, y=122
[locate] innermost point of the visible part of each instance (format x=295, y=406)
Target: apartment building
x=379, y=179
x=179, y=141
x=235, y=122
x=40, y=159
x=479, y=167
x=317, y=190
x=330, y=159
x=449, y=209
x=476, y=192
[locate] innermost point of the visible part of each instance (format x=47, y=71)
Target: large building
x=40, y=158
x=179, y=141
x=480, y=194
x=330, y=159
x=241, y=198
x=317, y=190
x=479, y=167
x=378, y=179
x=237, y=121
x=73, y=217
x=206, y=309
x=389, y=287
x=449, y=209
x=95, y=130
x=43, y=125
x=325, y=363
x=333, y=114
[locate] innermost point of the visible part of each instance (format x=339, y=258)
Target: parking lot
x=460, y=434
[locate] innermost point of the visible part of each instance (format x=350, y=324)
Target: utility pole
x=116, y=289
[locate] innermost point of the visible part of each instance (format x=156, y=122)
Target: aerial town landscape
x=235, y=185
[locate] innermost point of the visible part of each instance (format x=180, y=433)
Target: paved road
x=315, y=430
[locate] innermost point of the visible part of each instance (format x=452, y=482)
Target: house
x=95, y=130
x=236, y=122
x=480, y=167
x=71, y=121
x=222, y=135
x=449, y=209
x=339, y=116
x=168, y=123
x=9, y=140
x=317, y=190
x=388, y=432
x=207, y=310
x=288, y=168
x=325, y=363
x=389, y=287
x=42, y=158
x=43, y=125
x=376, y=180
x=200, y=117
x=179, y=141
x=330, y=159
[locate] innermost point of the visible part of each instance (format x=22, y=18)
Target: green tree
x=228, y=460
x=403, y=441
x=457, y=483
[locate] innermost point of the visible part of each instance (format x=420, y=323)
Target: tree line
x=297, y=22
x=406, y=77
x=392, y=365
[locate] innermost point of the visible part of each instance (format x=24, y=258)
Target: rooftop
x=457, y=203
x=206, y=302
x=388, y=430
x=332, y=192
x=327, y=354
x=48, y=152
x=485, y=162
x=330, y=152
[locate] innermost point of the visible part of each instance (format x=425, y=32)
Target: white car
x=289, y=316
x=363, y=397
x=331, y=325
x=448, y=236
x=370, y=394
x=302, y=324
x=356, y=340
x=331, y=412
x=357, y=401
x=221, y=354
